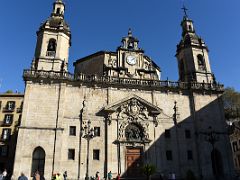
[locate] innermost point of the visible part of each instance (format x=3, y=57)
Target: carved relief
x=133, y=109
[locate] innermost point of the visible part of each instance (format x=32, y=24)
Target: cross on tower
x=185, y=10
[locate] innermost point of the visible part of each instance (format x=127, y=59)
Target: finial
x=185, y=10
x=58, y=1
x=130, y=32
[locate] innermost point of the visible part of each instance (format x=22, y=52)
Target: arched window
x=201, y=63
x=146, y=65
x=190, y=27
x=51, y=49
x=181, y=70
x=38, y=161
x=58, y=11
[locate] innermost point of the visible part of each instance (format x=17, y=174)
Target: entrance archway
x=38, y=161
x=217, y=165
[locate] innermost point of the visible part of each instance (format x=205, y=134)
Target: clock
x=131, y=59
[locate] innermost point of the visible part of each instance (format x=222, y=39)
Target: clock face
x=131, y=59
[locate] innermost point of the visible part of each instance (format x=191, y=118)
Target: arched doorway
x=134, y=154
x=38, y=161
x=217, y=165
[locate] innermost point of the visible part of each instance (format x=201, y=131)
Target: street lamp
x=88, y=133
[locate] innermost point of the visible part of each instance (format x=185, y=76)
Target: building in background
x=10, y=117
x=116, y=114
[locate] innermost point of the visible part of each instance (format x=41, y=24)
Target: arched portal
x=217, y=165
x=38, y=161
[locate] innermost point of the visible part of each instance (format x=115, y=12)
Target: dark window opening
x=51, y=50
x=6, y=134
x=189, y=155
x=72, y=131
x=71, y=154
x=97, y=131
x=169, y=155
x=190, y=27
x=181, y=70
x=10, y=106
x=187, y=134
x=167, y=133
x=96, y=154
x=4, y=151
x=130, y=45
x=58, y=11
x=201, y=63
x=8, y=119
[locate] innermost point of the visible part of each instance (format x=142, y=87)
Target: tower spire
x=192, y=54
x=54, y=41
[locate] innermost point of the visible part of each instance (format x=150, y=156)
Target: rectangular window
x=187, y=134
x=189, y=155
x=8, y=119
x=10, y=105
x=96, y=154
x=169, y=155
x=72, y=131
x=0, y=105
x=6, y=134
x=71, y=154
x=4, y=151
x=167, y=133
x=97, y=131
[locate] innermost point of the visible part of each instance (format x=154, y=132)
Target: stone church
x=114, y=113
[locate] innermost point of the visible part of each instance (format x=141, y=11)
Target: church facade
x=114, y=113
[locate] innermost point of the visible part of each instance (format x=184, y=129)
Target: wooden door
x=133, y=162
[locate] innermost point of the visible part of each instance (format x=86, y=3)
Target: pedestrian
x=118, y=177
x=109, y=176
x=58, y=176
x=36, y=176
x=97, y=176
x=65, y=175
x=4, y=174
x=53, y=176
x=22, y=177
x=1, y=176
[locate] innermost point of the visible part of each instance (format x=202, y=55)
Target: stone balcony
x=29, y=75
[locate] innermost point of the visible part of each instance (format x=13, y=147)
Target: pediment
x=133, y=106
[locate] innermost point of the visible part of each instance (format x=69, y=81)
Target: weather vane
x=185, y=10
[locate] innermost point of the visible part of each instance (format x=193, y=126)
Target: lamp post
x=88, y=134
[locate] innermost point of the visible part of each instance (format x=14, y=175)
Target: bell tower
x=192, y=55
x=53, y=42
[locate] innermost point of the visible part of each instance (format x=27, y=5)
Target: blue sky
x=100, y=25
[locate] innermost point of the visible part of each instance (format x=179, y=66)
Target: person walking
x=37, y=176
x=118, y=177
x=109, y=176
x=22, y=177
x=97, y=176
x=58, y=176
x=65, y=175
x=1, y=176
x=4, y=174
